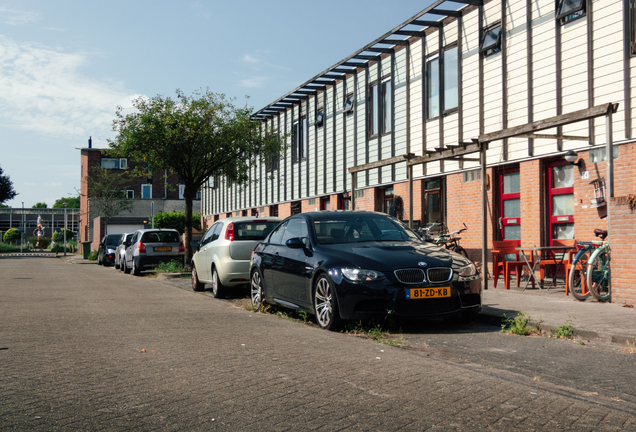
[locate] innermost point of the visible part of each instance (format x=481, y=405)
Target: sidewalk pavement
x=607, y=322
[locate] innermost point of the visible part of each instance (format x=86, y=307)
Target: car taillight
x=181, y=247
x=141, y=248
x=229, y=233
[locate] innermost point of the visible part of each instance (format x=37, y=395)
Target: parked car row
x=141, y=250
x=337, y=265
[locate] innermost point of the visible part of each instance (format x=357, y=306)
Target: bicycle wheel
x=577, y=277
x=460, y=250
x=598, y=274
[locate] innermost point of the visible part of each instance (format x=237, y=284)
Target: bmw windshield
x=343, y=228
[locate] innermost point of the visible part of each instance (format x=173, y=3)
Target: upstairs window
x=348, y=104
x=432, y=87
x=146, y=191
x=320, y=117
x=114, y=163
x=271, y=161
x=569, y=10
x=450, y=97
x=491, y=43
x=299, y=150
x=380, y=112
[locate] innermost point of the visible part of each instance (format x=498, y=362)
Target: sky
x=65, y=66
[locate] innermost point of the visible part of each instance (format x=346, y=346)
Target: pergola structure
x=480, y=145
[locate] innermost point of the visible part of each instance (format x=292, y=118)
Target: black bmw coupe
x=343, y=265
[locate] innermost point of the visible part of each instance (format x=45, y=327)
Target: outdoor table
x=547, y=253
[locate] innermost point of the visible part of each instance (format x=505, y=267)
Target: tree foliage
x=199, y=136
x=73, y=202
x=176, y=220
x=40, y=205
x=6, y=188
x=58, y=237
x=107, y=192
x=11, y=235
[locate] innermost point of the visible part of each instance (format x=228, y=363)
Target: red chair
x=500, y=250
x=565, y=265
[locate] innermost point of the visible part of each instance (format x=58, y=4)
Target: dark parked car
x=354, y=265
x=106, y=251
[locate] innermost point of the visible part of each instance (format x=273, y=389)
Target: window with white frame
x=181, y=191
x=146, y=191
x=114, y=163
x=348, y=104
x=320, y=117
x=599, y=155
x=130, y=194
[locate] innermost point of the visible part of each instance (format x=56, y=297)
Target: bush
x=11, y=235
x=37, y=241
x=8, y=248
x=92, y=256
x=174, y=266
x=176, y=220
x=58, y=237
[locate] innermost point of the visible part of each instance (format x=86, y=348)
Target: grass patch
x=374, y=331
x=518, y=325
x=92, y=256
x=9, y=248
x=174, y=266
x=565, y=331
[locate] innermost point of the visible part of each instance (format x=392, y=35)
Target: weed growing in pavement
x=518, y=325
x=174, y=266
x=566, y=331
x=373, y=331
x=630, y=349
x=92, y=256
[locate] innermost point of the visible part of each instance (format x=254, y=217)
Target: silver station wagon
x=149, y=247
x=224, y=253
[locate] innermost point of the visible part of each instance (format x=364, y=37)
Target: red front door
x=510, y=204
x=561, y=200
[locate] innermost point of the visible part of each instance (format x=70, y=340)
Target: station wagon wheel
x=135, y=270
x=196, y=285
x=326, y=304
x=257, y=290
x=218, y=290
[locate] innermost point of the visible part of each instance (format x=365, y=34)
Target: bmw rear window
x=111, y=240
x=253, y=230
x=161, y=237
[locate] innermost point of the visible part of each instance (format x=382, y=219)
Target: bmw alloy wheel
x=257, y=290
x=325, y=305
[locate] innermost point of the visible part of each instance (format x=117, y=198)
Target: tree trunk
x=188, y=195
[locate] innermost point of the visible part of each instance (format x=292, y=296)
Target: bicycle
x=598, y=271
x=579, y=282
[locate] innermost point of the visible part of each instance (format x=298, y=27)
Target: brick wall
x=284, y=210
x=367, y=202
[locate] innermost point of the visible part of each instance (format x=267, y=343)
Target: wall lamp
x=571, y=157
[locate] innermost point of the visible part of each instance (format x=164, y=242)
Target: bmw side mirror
x=295, y=243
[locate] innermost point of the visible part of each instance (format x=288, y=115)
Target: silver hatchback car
x=223, y=255
x=149, y=247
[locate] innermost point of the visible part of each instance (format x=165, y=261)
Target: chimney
x=90, y=142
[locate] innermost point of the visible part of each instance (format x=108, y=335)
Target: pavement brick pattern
x=70, y=359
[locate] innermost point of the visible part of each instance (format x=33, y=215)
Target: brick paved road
x=69, y=360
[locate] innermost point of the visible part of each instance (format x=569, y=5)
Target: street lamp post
x=65, y=204
x=23, y=228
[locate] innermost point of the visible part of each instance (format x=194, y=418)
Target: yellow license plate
x=163, y=248
x=422, y=293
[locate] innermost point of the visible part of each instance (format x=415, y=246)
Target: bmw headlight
x=467, y=271
x=360, y=275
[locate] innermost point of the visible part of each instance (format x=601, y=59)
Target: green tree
x=176, y=220
x=73, y=202
x=6, y=188
x=11, y=235
x=106, y=192
x=196, y=137
x=40, y=205
x=58, y=237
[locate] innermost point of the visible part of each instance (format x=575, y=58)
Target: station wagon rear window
x=161, y=237
x=253, y=230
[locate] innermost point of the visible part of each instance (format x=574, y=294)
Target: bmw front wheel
x=326, y=304
x=257, y=290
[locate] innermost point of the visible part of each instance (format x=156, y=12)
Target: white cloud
x=250, y=59
x=42, y=90
x=254, y=82
x=16, y=17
